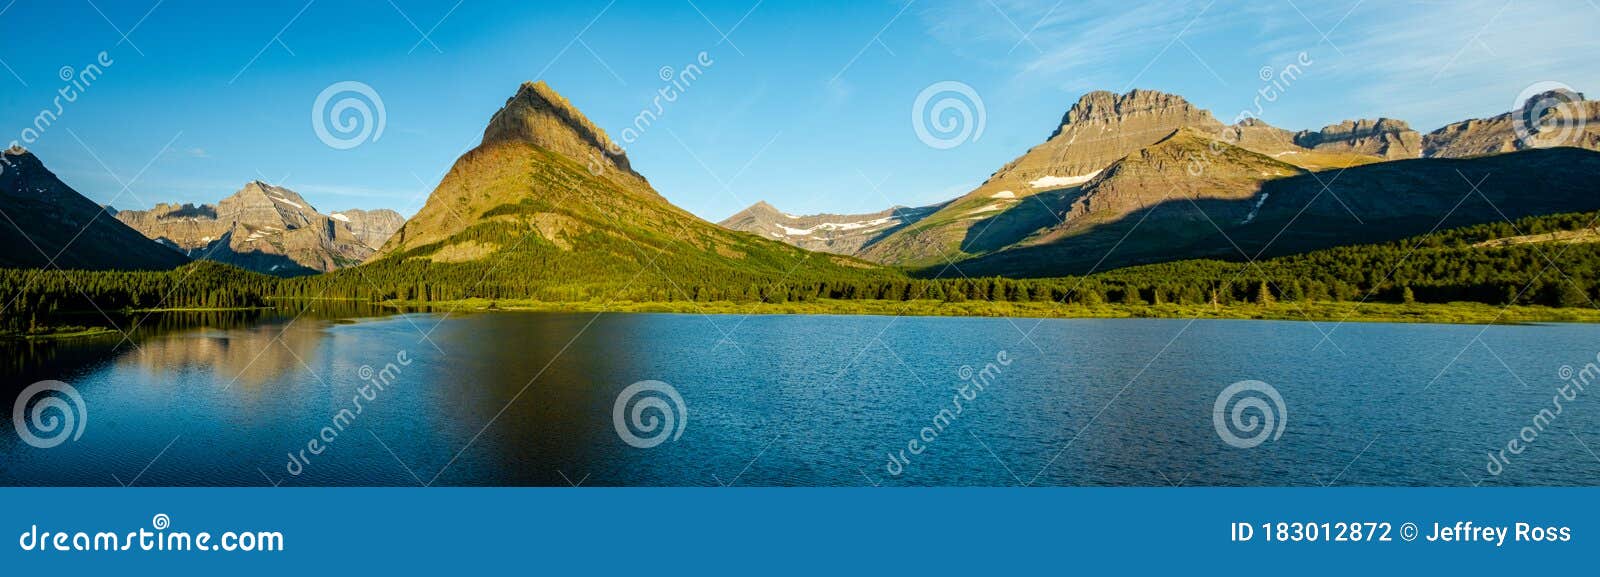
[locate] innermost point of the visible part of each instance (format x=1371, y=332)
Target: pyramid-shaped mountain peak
x=540, y=116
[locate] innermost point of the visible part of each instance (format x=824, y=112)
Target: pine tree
x=1264, y=295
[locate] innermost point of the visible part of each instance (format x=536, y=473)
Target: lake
x=531, y=399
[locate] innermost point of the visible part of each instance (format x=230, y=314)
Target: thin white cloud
x=1077, y=46
x=1427, y=61
x=1435, y=62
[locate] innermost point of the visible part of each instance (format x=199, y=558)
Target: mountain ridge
x=1029, y=200
x=844, y=234
x=1370, y=203
x=268, y=229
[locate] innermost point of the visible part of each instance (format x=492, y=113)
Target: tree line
x=1459, y=265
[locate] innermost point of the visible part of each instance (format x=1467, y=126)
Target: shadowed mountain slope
x=44, y=215
x=1363, y=204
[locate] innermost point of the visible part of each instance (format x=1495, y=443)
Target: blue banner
x=742, y=531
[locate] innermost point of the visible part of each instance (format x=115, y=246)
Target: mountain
x=1186, y=168
x=370, y=227
x=1384, y=138
x=1100, y=128
x=268, y=229
x=1288, y=215
x=548, y=205
x=1256, y=135
x=1157, y=177
x=1033, y=193
x=1180, y=189
x=1028, y=192
x=1553, y=118
x=836, y=233
x=45, y=215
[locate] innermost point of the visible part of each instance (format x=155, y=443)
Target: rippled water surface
x=528, y=399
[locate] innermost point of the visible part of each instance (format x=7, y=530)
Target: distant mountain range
x=1160, y=179
x=268, y=229
x=835, y=233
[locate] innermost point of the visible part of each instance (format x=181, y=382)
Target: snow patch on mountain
x=1255, y=210
x=836, y=226
x=1060, y=181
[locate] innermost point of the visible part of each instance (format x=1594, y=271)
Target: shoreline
x=73, y=333
x=1463, y=313
x=1451, y=313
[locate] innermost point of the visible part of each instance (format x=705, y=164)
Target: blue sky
x=808, y=104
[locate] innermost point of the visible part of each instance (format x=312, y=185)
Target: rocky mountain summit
x=268, y=229
x=1385, y=138
x=1549, y=119
x=1102, y=127
x=536, y=118
x=370, y=227
x=540, y=116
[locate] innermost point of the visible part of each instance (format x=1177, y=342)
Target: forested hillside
x=1550, y=260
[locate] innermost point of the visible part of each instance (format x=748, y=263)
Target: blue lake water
x=528, y=399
